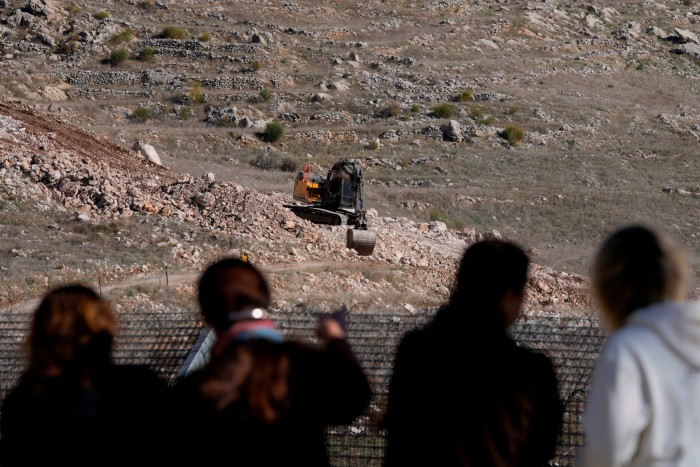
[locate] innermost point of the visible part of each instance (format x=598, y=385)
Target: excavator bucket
x=362, y=241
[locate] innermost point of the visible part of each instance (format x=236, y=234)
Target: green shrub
x=487, y=120
x=264, y=161
x=391, y=110
x=443, y=111
x=205, y=37
x=173, y=32
x=477, y=111
x=437, y=215
x=146, y=54
x=255, y=65
x=289, y=164
x=118, y=56
x=464, y=96
x=265, y=94
x=415, y=108
x=512, y=110
x=185, y=112
x=124, y=36
x=196, y=93
x=373, y=145
x=101, y=15
x=142, y=114
x=273, y=132
x=513, y=133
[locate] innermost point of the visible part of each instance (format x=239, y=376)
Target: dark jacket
x=120, y=421
x=326, y=387
x=470, y=397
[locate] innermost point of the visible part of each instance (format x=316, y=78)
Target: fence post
x=99, y=283
x=167, y=282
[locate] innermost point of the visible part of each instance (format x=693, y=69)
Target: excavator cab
x=337, y=199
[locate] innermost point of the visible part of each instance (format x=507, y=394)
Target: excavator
x=336, y=199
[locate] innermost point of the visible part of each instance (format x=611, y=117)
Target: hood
x=677, y=323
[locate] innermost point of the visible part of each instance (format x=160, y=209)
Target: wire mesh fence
x=573, y=344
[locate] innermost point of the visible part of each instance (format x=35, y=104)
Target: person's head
x=72, y=331
x=491, y=282
x=634, y=268
x=227, y=286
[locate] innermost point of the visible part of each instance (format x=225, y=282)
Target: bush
x=477, y=111
x=265, y=94
x=273, y=132
x=173, y=32
x=195, y=93
x=464, y=96
x=391, y=110
x=118, y=56
x=289, y=164
x=443, y=111
x=514, y=134
x=146, y=54
x=185, y=112
x=373, y=145
x=487, y=120
x=255, y=65
x=204, y=37
x=264, y=162
x=124, y=36
x=101, y=15
x=415, y=108
x=142, y=114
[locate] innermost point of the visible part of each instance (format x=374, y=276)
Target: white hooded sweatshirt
x=643, y=407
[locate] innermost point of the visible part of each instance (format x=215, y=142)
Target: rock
x=82, y=217
x=209, y=177
x=691, y=49
x=488, y=43
x=340, y=86
x=205, y=200
x=258, y=39
x=54, y=94
x=321, y=97
x=658, y=32
x=147, y=151
x=410, y=308
x=685, y=36
x=453, y=131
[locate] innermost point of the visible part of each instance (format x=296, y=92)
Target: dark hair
x=71, y=335
x=229, y=285
x=488, y=270
x=634, y=268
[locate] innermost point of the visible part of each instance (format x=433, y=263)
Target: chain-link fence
x=573, y=344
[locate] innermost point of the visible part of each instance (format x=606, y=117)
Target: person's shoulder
x=532, y=360
x=137, y=374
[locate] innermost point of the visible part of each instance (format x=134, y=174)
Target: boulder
x=690, y=49
x=341, y=86
x=147, y=151
x=452, y=131
x=685, y=36
x=54, y=94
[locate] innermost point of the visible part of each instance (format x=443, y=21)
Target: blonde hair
x=634, y=268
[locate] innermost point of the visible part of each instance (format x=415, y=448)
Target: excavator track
x=318, y=215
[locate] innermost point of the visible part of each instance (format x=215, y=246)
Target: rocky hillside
x=51, y=166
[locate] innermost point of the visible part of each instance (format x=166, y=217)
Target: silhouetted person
x=462, y=392
x=643, y=407
x=73, y=406
x=262, y=400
